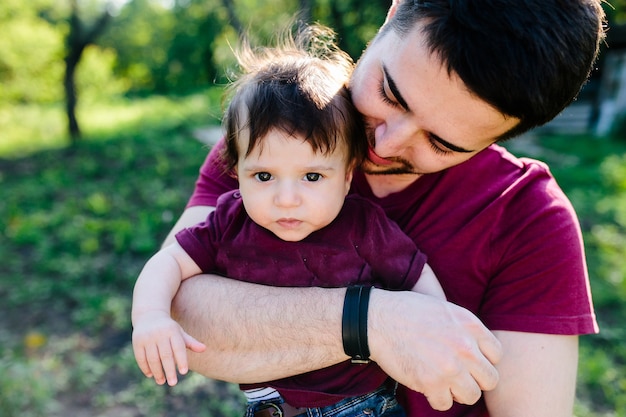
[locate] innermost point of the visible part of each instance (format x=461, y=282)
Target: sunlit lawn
x=29, y=128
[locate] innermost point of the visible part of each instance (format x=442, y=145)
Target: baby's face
x=288, y=188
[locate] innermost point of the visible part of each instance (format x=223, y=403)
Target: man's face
x=419, y=118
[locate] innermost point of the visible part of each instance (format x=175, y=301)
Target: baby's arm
x=429, y=284
x=158, y=341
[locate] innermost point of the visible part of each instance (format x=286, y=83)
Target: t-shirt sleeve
x=212, y=180
x=541, y=284
x=199, y=242
x=202, y=241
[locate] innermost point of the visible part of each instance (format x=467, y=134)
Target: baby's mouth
x=289, y=223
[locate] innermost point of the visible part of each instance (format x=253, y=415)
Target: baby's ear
x=349, y=174
x=233, y=172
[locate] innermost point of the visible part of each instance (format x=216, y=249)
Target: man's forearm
x=256, y=333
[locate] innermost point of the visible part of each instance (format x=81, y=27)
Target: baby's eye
x=313, y=176
x=263, y=176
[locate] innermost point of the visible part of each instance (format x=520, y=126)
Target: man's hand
x=433, y=347
x=159, y=344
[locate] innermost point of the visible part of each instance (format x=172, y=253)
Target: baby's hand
x=159, y=344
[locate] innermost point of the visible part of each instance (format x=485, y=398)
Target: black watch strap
x=354, y=323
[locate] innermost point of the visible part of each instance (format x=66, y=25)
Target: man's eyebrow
x=394, y=89
x=396, y=93
x=449, y=145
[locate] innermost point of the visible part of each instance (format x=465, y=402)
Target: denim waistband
x=381, y=402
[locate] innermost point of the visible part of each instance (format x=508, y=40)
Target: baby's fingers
x=167, y=356
x=180, y=353
x=142, y=362
x=154, y=362
x=193, y=344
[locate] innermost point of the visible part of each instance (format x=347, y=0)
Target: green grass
x=77, y=224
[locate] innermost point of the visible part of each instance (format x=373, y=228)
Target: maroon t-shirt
x=360, y=246
x=501, y=236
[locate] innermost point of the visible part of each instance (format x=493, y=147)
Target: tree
x=232, y=16
x=191, y=51
x=78, y=38
x=141, y=34
x=355, y=21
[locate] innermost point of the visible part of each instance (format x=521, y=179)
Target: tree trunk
x=232, y=16
x=77, y=40
x=71, y=61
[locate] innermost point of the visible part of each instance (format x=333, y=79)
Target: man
x=439, y=85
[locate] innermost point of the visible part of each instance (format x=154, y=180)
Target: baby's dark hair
x=298, y=87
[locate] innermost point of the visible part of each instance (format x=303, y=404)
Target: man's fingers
x=453, y=382
x=440, y=401
x=465, y=390
x=479, y=350
x=490, y=353
x=490, y=346
x=485, y=374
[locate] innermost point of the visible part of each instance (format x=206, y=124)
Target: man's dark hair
x=298, y=87
x=527, y=58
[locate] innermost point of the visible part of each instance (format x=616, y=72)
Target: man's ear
x=392, y=10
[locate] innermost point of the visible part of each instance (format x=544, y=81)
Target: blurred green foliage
x=616, y=10
x=153, y=46
x=31, y=54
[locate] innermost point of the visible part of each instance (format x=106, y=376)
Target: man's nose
x=393, y=137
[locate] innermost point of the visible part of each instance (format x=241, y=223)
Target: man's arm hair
x=257, y=333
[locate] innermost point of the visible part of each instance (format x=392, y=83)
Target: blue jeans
x=379, y=403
